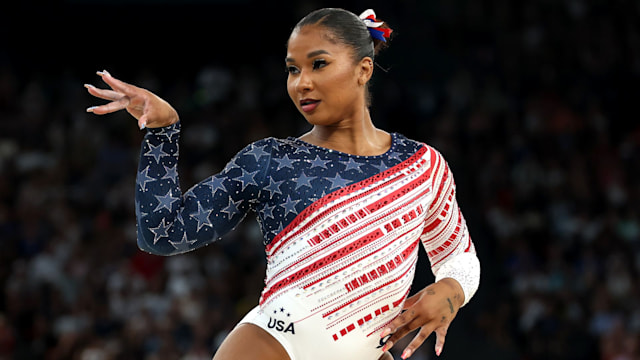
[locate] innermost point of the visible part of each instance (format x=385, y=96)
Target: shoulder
x=274, y=143
x=415, y=145
x=274, y=148
x=289, y=147
x=260, y=147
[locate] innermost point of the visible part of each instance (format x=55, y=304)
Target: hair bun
x=378, y=29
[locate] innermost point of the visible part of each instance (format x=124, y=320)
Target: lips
x=309, y=105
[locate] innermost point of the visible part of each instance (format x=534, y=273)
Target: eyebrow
x=309, y=55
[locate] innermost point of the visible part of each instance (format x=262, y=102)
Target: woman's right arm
x=168, y=221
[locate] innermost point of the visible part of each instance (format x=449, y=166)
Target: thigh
x=250, y=342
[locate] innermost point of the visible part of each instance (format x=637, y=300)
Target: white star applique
x=171, y=173
x=247, y=178
x=285, y=162
x=184, y=244
x=338, y=181
x=165, y=201
x=202, y=216
x=302, y=149
x=257, y=151
x=160, y=231
x=267, y=212
x=167, y=131
x=274, y=187
x=303, y=180
x=352, y=165
x=216, y=183
x=317, y=162
x=232, y=208
x=156, y=152
x=144, y=178
x=381, y=167
x=290, y=205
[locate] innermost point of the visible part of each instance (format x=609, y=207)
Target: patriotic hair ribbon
x=373, y=25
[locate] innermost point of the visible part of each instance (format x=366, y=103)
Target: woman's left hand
x=432, y=310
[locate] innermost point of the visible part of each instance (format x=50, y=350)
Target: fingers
x=416, y=342
x=113, y=106
x=429, y=310
x=119, y=96
x=119, y=85
x=142, y=122
x=399, y=327
x=410, y=320
x=420, y=337
x=441, y=333
x=149, y=109
x=103, y=93
x=408, y=315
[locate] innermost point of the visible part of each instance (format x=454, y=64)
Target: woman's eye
x=292, y=70
x=319, y=63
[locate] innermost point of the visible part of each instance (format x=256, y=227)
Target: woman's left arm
x=453, y=261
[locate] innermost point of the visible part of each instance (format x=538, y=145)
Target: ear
x=365, y=70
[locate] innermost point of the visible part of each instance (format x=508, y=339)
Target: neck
x=357, y=137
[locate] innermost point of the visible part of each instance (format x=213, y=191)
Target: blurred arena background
x=533, y=103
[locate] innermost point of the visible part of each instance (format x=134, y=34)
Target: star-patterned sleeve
x=172, y=223
x=445, y=236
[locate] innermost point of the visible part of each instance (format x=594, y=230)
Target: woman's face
x=325, y=83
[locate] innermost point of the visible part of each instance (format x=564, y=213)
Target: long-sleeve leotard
x=341, y=231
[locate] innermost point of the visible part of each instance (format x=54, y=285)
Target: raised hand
x=431, y=310
x=149, y=109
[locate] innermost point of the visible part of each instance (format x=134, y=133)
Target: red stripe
x=435, y=236
x=455, y=247
x=446, y=256
x=435, y=222
x=431, y=226
x=436, y=162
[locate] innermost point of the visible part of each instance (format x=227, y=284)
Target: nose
x=304, y=83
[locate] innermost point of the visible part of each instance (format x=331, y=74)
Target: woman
x=342, y=208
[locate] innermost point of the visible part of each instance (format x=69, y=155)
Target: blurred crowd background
x=533, y=103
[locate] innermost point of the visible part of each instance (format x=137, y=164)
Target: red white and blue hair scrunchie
x=373, y=25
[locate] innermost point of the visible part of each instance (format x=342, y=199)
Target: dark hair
x=348, y=29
